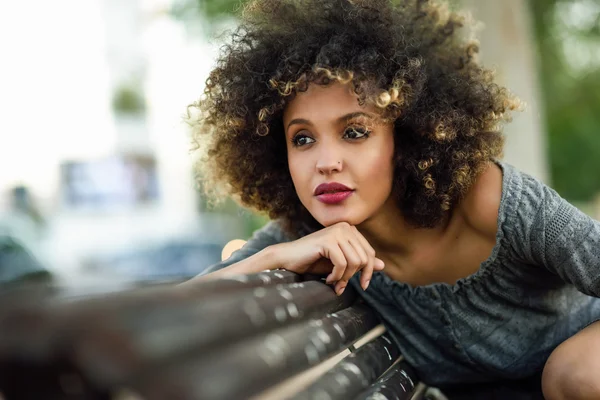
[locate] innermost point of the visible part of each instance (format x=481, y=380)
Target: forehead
x=324, y=102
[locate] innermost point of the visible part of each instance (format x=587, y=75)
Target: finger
x=365, y=276
x=336, y=255
x=368, y=249
x=367, y=264
x=340, y=286
x=378, y=265
x=360, y=251
x=354, y=261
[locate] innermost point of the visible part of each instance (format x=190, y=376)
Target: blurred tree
x=212, y=9
x=127, y=99
x=567, y=38
x=508, y=46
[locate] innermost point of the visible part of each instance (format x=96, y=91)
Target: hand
x=339, y=250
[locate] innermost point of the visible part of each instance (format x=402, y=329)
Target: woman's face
x=332, y=139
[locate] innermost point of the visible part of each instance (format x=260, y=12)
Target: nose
x=329, y=161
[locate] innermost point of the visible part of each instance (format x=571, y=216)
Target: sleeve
x=551, y=232
x=268, y=235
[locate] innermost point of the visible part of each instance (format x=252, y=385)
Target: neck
x=392, y=236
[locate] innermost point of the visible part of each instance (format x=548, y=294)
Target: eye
x=356, y=132
x=301, y=140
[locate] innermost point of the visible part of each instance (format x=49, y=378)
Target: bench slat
x=398, y=383
x=253, y=365
x=354, y=373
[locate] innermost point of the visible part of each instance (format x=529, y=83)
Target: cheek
x=381, y=156
x=380, y=171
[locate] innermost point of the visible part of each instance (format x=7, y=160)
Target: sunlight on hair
x=230, y=247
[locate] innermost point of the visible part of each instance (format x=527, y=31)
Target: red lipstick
x=332, y=193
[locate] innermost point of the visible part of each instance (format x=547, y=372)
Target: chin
x=332, y=220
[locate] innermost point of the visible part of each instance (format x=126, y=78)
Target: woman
x=371, y=136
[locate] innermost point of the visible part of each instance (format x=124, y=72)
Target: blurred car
x=171, y=261
x=18, y=265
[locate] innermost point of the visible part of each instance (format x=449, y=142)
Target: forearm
x=266, y=259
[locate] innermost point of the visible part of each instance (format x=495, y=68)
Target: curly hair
x=407, y=58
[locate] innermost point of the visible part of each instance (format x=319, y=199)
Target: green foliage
x=212, y=11
x=128, y=100
x=251, y=220
x=571, y=92
x=219, y=8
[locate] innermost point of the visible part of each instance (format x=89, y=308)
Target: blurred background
x=96, y=181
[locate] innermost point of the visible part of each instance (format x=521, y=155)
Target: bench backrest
x=269, y=335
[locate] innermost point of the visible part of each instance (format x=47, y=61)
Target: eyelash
x=361, y=130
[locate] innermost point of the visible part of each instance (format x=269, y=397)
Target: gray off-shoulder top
x=537, y=288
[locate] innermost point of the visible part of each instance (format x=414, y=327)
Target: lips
x=332, y=193
x=333, y=187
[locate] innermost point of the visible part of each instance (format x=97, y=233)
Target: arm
x=548, y=231
x=338, y=250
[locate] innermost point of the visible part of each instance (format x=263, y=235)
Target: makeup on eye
x=359, y=132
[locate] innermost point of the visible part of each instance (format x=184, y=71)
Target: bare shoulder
x=481, y=204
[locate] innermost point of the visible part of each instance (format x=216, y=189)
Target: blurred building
x=96, y=91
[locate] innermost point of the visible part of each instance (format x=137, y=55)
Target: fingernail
x=366, y=284
x=341, y=291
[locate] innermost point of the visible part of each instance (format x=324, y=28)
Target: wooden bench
x=271, y=335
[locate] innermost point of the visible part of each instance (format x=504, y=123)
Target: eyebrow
x=344, y=118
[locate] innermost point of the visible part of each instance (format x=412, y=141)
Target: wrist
x=273, y=256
